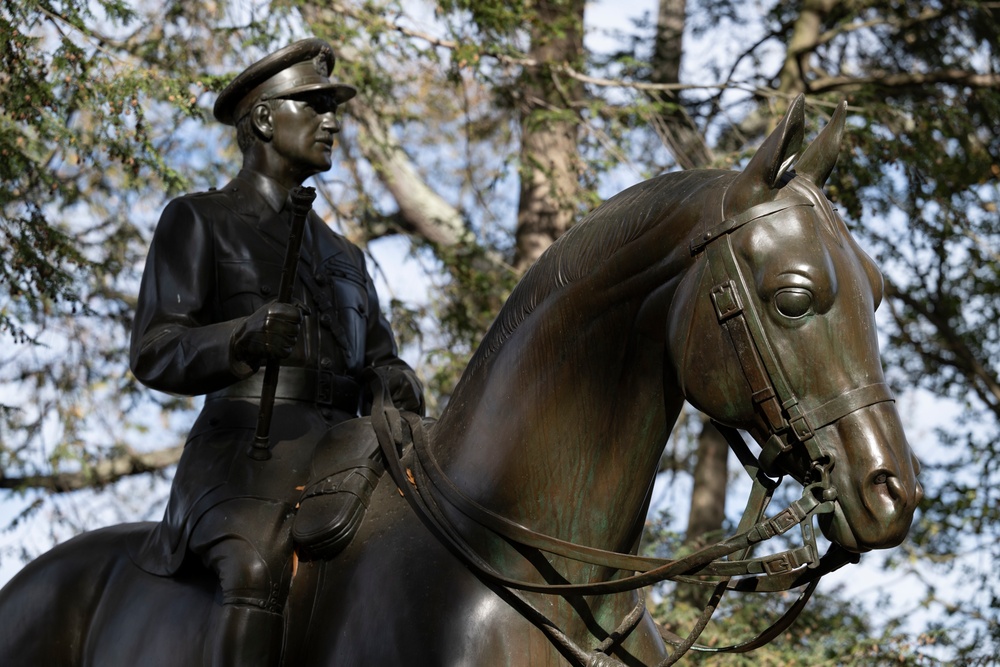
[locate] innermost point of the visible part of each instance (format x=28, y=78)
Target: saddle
x=346, y=468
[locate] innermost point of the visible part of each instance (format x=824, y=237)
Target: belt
x=300, y=384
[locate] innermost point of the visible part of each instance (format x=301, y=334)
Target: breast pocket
x=351, y=298
x=244, y=286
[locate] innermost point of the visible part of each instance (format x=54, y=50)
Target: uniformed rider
x=207, y=322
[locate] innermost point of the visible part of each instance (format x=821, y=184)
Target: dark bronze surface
x=557, y=425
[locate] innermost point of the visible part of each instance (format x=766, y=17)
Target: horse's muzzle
x=876, y=480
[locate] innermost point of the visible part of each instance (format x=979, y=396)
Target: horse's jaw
x=874, y=474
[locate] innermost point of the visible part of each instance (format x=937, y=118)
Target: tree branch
x=422, y=209
x=965, y=361
x=101, y=474
x=959, y=77
x=925, y=15
x=524, y=61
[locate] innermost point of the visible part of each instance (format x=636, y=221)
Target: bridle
x=772, y=395
x=725, y=565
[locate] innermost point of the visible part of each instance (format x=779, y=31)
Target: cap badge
x=320, y=63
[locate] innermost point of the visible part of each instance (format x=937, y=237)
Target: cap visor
x=341, y=92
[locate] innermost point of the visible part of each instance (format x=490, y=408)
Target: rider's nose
x=329, y=123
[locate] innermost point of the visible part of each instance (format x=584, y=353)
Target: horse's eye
x=793, y=302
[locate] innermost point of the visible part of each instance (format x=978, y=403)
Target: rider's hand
x=270, y=333
x=405, y=389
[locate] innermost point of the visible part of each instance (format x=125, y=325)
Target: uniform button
x=326, y=362
x=325, y=320
x=266, y=289
x=320, y=279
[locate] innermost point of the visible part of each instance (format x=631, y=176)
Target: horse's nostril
x=896, y=489
x=880, y=478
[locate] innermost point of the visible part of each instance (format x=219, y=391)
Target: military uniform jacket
x=215, y=258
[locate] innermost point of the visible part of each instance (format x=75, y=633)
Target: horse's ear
x=820, y=156
x=774, y=157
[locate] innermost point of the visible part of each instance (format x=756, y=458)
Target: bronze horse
x=743, y=293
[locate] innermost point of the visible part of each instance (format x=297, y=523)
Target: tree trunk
x=803, y=40
x=549, y=160
x=708, y=498
x=708, y=502
x=674, y=126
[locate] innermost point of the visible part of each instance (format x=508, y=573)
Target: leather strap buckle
x=726, y=300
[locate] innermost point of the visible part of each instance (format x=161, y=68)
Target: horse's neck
x=550, y=442
x=561, y=428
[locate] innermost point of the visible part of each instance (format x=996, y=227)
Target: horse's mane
x=592, y=241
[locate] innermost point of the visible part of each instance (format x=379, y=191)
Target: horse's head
x=773, y=331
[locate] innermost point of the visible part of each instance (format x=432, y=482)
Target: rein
x=424, y=483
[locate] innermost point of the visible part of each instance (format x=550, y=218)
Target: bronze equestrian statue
x=506, y=533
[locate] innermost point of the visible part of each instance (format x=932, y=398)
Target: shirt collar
x=268, y=188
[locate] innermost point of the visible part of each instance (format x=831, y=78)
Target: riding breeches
x=247, y=542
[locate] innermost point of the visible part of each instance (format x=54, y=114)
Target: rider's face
x=304, y=129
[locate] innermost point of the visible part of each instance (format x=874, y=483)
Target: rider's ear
x=820, y=156
x=260, y=117
x=776, y=154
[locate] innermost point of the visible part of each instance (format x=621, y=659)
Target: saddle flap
x=346, y=468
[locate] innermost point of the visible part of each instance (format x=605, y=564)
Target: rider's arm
x=177, y=346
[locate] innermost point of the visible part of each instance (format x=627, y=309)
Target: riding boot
x=248, y=637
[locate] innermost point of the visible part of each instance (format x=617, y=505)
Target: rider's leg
x=248, y=637
x=247, y=543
